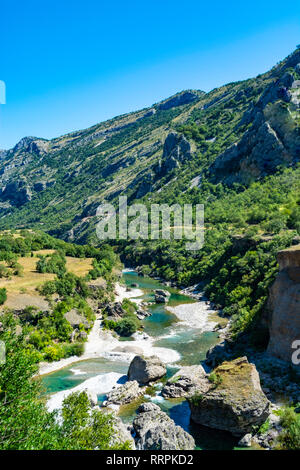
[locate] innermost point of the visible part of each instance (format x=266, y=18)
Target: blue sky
x=69, y=64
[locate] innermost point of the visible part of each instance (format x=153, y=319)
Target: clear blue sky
x=70, y=64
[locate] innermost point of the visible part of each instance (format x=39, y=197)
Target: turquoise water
x=163, y=325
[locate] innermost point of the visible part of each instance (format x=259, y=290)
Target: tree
x=25, y=422
x=3, y=295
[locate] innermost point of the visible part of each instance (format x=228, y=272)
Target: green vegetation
x=237, y=263
x=264, y=427
x=195, y=400
x=128, y=324
x=3, y=295
x=54, y=263
x=290, y=436
x=215, y=379
x=49, y=333
x=25, y=423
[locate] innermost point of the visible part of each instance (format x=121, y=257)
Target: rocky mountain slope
x=237, y=133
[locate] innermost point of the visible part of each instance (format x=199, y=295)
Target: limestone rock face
x=154, y=430
x=284, y=305
x=17, y=193
x=272, y=139
x=179, y=100
x=124, y=394
x=176, y=146
x=176, y=150
x=189, y=380
x=146, y=370
x=236, y=403
x=121, y=434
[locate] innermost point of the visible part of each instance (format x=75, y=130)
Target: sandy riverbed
x=196, y=315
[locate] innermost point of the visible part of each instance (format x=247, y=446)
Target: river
x=190, y=344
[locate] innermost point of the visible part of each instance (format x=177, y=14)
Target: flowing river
x=185, y=343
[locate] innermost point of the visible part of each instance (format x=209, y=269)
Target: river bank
x=104, y=343
x=179, y=333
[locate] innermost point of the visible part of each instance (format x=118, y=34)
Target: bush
x=290, y=437
x=55, y=263
x=3, y=295
x=126, y=326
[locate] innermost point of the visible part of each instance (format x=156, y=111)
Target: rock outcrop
x=154, y=430
x=236, y=403
x=17, y=193
x=124, y=394
x=178, y=100
x=176, y=150
x=188, y=381
x=122, y=434
x=75, y=319
x=114, y=311
x=284, y=305
x=161, y=296
x=272, y=139
x=146, y=370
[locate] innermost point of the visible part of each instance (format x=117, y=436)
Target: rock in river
x=124, y=394
x=189, y=380
x=236, y=403
x=161, y=296
x=146, y=370
x=154, y=430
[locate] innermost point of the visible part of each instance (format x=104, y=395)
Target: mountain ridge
x=57, y=184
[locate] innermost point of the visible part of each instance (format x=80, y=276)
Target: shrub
x=126, y=327
x=3, y=295
x=290, y=437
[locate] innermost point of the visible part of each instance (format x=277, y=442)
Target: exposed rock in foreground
x=188, y=381
x=284, y=305
x=122, y=434
x=154, y=430
x=236, y=404
x=146, y=370
x=124, y=394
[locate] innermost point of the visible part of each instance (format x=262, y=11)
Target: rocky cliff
x=284, y=305
x=272, y=135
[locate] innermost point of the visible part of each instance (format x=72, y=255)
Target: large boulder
x=188, y=381
x=236, y=403
x=161, y=296
x=124, y=394
x=284, y=305
x=154, y=430
x=114, y=310
x=146, y=370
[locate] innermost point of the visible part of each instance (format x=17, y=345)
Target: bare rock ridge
x=273, y=137
x=284, y=305
x=179, y=99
